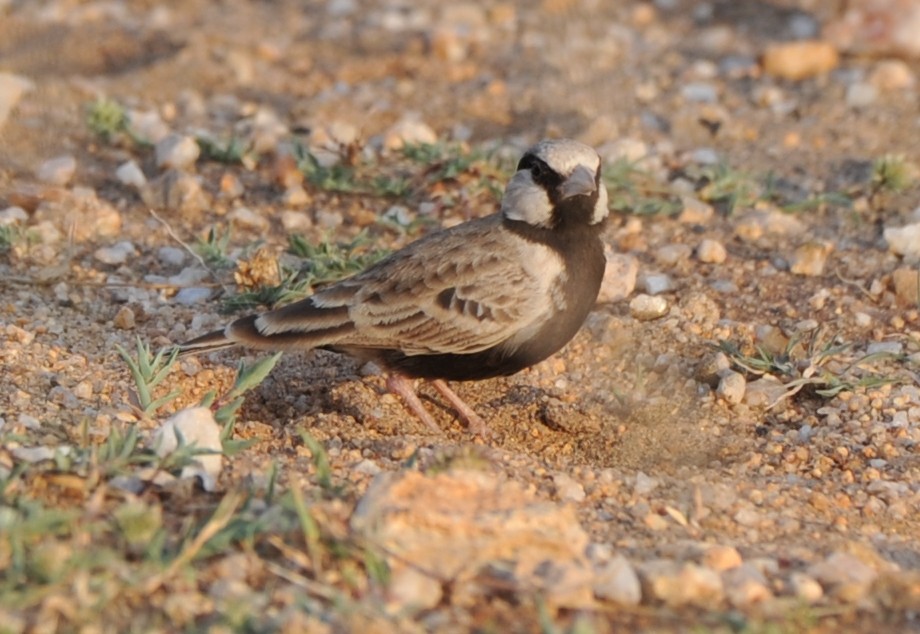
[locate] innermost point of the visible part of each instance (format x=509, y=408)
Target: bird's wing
x=461, y=292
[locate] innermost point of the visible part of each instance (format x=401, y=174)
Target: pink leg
x=471, y=418
x=403, y=387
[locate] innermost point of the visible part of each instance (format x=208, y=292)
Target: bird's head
x=558, y=182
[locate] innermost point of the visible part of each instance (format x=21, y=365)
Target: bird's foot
x=404, y=388
x=473, y=421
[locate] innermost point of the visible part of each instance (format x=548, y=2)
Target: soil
x=627, y=398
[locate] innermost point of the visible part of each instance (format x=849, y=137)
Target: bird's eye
x=538, y=169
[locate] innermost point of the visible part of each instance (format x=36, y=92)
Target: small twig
x=855, y=285
x=182, y=243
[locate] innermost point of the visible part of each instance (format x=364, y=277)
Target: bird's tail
x=216, y=340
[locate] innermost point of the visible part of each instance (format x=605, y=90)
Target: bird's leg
x=403, y=387
x=471, y=418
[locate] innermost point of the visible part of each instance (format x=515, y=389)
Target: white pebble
x=568, y=489
x=861, y=95
x=177, y=151
x=408, y=131
x=904, y=240
x=116, y=254
x=171, y=256
x=619, y=276
x=197, y=428
x=295, y=221
x=656, y=283
x=732, y=387
x=248, y=218
x=617, y=581
x=646, y=307
x=130, y=173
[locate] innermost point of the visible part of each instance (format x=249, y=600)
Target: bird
x=485, y=298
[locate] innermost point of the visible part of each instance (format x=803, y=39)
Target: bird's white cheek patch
x=600, y=208
x=526, y=201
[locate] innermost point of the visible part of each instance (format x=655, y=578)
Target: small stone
x=12, y=88
x=745, y=586
x=671, y=254
x=721, y=558
x=409, y=131
x=129, y=173
x=800, y=60
x=148, y=125
x=177, y=151
x=568, y=489
x=700, y=92
x=616, y=581
x=805, y=588
x=192, y=295
x=732, y=387
x=679, y=585
x=906, y=282
x=695, y=211
x=754, y=225
x=645, y=484
x=627, y=149
x=893, y=348
x=57, y=171
x=810, y=258
x=116, y=254
x=296, y=221
x=647, y=308
x=17, y=215
x=712, y=367
x=171, y=256
x=619, y=277
x=904, y=240
x=711, y=252
x=246, y=217
x=197, y=428
x=83, y=390
x=890, y=75
x=295, y=196
x=764, y=392
x=124, y=318
x=861, y=95
x=656, y=283
x=846, y=575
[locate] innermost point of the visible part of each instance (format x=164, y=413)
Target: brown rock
x=800, y=60
x=906, y=282
x=478, y=531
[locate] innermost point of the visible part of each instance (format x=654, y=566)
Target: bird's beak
x=580, y=183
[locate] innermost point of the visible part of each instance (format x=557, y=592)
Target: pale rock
x=295, y=221
x=568, y=489
x=116, y=254
x=295, y=196
x=712, y=367
x=805, y=587
x=890, y=75
x=627, y=149
x=904, y=240
x=721, y=558
x=656, y=283
x=845, y=575
x=678, y=585
x=171, y=256
x=197, y=428
x=745, y=586
x=410, y=590
x=893, y=348
x=129, y=173
x=711, y=252
x=57, y=171
x=39, y=454
x=249, y=219
x=193, y=295
x=731, y=387
x=12, y=88
x=694, y=211
x=16, y=215
x=619, y=277
x=645, y=484
x=176, y=151
x=810, y=258
x=616, y=581
x=408, y=131
x=672, y=254
x=147, y=125
x=475, y=529
x=648, y=308
x=759, y=223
